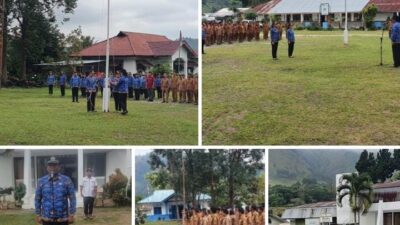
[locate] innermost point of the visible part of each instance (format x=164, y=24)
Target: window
x=97, y=162
x=296, y=17
x=157, y=210
x=307, y=17
x=387, y=219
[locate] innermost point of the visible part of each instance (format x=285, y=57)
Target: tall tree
x=359, y=190
x=384, y=165
x=27, y=15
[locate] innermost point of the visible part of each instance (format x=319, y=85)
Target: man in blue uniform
x=55, y=200
x=91, y=84
x=395, y=37
x=51, y=80
x=83, y=85
x=275, y=37
x=123, y=92
x=74, y=83
x=100, y=83
x=63, y=81
x=136, y=87
x=291, y=40
x=130, y=85
x=114, y=90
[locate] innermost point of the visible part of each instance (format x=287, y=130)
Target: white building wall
x=118, y=159
x=183, y=53
x=129, y=65
x=368, y=218
x=7, y=173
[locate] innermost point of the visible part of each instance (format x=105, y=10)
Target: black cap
x=53, y=160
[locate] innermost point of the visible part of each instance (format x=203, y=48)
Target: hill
x=141, y=168
x=289, y=166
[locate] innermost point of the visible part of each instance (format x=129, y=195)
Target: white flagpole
x=106, y=94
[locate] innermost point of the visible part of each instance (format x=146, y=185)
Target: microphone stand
x=383, y=30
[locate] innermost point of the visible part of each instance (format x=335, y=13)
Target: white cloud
x=163, y=17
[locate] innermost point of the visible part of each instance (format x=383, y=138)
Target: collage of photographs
x=200, y=112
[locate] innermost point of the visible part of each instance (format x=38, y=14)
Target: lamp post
x=346, y=31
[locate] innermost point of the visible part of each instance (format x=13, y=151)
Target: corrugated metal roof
x=227, y=12
x=163, y=195
x=394, y=184
x=386, y=5
x=264, y=8
x=313, y=6
x=315, y=210
x=158, y=196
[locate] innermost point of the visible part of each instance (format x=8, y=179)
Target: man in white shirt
x=88, y=192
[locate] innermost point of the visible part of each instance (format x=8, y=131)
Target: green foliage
x=116, y=188
x=358, y=188
x=381, y=168
x=250, y=16
x=139, y=217
x=369, y=13
x=19, y=193
x=161, y=69
x=158, y=179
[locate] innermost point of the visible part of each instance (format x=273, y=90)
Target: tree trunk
x=230, y=180
x=3, y=70
x=24, y=27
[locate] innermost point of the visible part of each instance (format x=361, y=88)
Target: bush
x=250, y=16
x=369, y=13
x=139, y=217
x=161, y=69
x=117, y=188
x=19, y=194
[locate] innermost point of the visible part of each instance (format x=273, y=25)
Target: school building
x=28, y=165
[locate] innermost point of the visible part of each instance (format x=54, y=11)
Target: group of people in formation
x=217, y=216
x=394, y=34
x=219, y=33
x=124, y=86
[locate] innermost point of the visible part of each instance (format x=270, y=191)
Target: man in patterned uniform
x=55, y=200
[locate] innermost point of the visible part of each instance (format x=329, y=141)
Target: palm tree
x=359, y=189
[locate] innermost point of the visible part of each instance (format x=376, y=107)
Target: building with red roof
x=136, y=52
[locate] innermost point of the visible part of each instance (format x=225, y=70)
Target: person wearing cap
x=88, y=193
x=275, y=37
x=91, y=84
x=74, y=83
x=395, y=37
x=51, y=80
x=290, y=38
x=55, y=200
x=63, y=81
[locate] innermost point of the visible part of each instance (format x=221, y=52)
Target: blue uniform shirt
x=157, y=82
x=51, y=79
x=83, y=82
x=63, y=79
x=55, y=199
x=91, y=83
x=75, y=81
x=136, y=83
x=122, y=85
x=142, y=83
x=275, y=35
x=290, y=35
x=100, y=82
x=130, y=81
x=395, y=33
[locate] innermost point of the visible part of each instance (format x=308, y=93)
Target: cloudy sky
x=165, y=17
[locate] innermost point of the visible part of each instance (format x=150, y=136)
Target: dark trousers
x=159, y=92
x=88, y=203
x=130, y=91
x=55, y=223
x=62, y=88
x=75, y=93
x=291, y=49
x=91, y=101
x=83, y=92
x=150, y=92
x=50, y=89
x=203, y=42
x=146, y=95
x=137, y=94
x=123, y=101
x=396, y=54
x=116, y=101
x=101, y=91
x=274, y=49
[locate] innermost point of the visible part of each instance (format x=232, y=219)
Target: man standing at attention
x=88, y=193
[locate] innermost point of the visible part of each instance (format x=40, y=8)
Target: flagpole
x=106, y=95
x=346, y=31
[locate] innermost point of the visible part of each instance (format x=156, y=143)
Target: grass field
x=176, y=222
x=328, y=94
x=117, y=216
x=32, y=117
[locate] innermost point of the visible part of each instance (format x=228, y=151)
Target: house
x=136, y=52
x=16, y=164
x=385, y=209
x=312, y=214
x=262, y=10
x=275, y=220
x=167, y=205
x=386, y=8
x=308, y=12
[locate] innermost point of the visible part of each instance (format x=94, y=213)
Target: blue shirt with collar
x=157, y=82
x=136, y=83
x=75, y=81
x=63, y=79
x=55, y=198
x=275, y=36
x=83, y=82
x=290, y=35
x=91, y=83
x=130, y=81
x=122, y=85
x=395, y=37
x=51, y=79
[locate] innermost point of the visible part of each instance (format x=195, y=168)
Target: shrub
x=19, y=193
x=117, y=188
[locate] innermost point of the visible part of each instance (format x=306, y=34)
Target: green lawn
x=328, y=94
x=117, y=216
x=32, y=117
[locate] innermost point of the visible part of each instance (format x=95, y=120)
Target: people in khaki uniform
x=254, y=214
x=174, y=87
x=190, y=89
x=196, y=90
x=265, y=31
x=165, y=88
x=181, y=89
x=243, y=217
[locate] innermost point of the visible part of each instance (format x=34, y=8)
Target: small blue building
x=167, y=205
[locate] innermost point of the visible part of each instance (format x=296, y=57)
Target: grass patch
x=328, y=94
x=117, y=216
x=31, y=117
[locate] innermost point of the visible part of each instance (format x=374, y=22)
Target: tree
x=158, y=179
x=359, y=190
x=369, y=14
x=384, y=165
x=31, y=18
